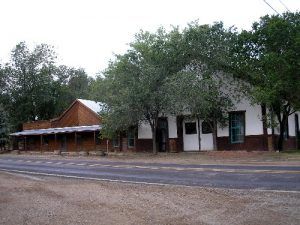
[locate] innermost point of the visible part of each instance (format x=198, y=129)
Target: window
x=237, y=127
x=130, y=139
x=190, y=128
x=206, y=127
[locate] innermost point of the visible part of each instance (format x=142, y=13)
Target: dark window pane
x=190, y=128
x=237, y=127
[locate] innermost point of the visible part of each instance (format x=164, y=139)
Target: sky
x=87, y=33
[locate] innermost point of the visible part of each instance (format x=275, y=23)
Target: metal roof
x=94, y=106
x=57, y=130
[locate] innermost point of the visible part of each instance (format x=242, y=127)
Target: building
x=76, y=129
x=79, y=128
x=245, y=131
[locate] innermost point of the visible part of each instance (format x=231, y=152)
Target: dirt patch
x=68, y=201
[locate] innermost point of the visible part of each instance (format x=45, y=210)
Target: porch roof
x=57, y=130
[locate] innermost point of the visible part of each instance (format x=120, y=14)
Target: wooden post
x=55, y=142
x=41, y=143
x=95, y=140
x=76, y=142
x=25, y=143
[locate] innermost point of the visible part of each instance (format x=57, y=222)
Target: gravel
x=26, y=199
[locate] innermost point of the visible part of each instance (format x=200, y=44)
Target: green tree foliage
x=30, y=76
x=268, y=58
x=4, y=128
x=70, y=84
x=209, y=44
x=79, y=83
x=133, y=87
x=203, y=94
x=34, y=88
x=3, y=87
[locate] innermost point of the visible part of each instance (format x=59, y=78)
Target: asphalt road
x=263, y=177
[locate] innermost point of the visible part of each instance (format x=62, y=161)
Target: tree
x=209, y=44
x=202, y=87
x=37, y=89
x=4, y=128
x=268, y=58
x=70, y=84
x=79, y=83
x=204, y=94
x=4, y=98
x=30, y=81
x=133, y=88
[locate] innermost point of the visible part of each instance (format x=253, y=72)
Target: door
x=206, y=136
x=190, y=135
x=162, y=135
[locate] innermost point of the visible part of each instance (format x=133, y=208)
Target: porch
x=65, y=139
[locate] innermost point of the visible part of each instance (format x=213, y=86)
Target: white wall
x=253, y=116
x=292, y=124
x=144, y=131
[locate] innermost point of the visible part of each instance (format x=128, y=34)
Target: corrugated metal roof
x=57, y=130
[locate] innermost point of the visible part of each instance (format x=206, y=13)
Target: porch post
x=95, y=140
x=55, y=142
x=75, y=141
x=41, y=143
x=25, y=143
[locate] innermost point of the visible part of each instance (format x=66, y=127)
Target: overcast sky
x=86, y=33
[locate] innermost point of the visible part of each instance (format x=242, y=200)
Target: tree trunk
x=282, y=124
x=199, y=137
x=154, y=147
x=265, y=126
x=153, y=124
x=214, y=133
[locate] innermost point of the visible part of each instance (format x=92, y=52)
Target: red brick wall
x=252, y=143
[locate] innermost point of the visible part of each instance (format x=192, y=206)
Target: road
x=261, y=177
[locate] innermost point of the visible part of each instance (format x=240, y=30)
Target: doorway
x=63, y=143
x=190, y=135
x=197, y=135
x=162, y=135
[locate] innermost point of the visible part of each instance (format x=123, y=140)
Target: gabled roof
x=94, y=106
